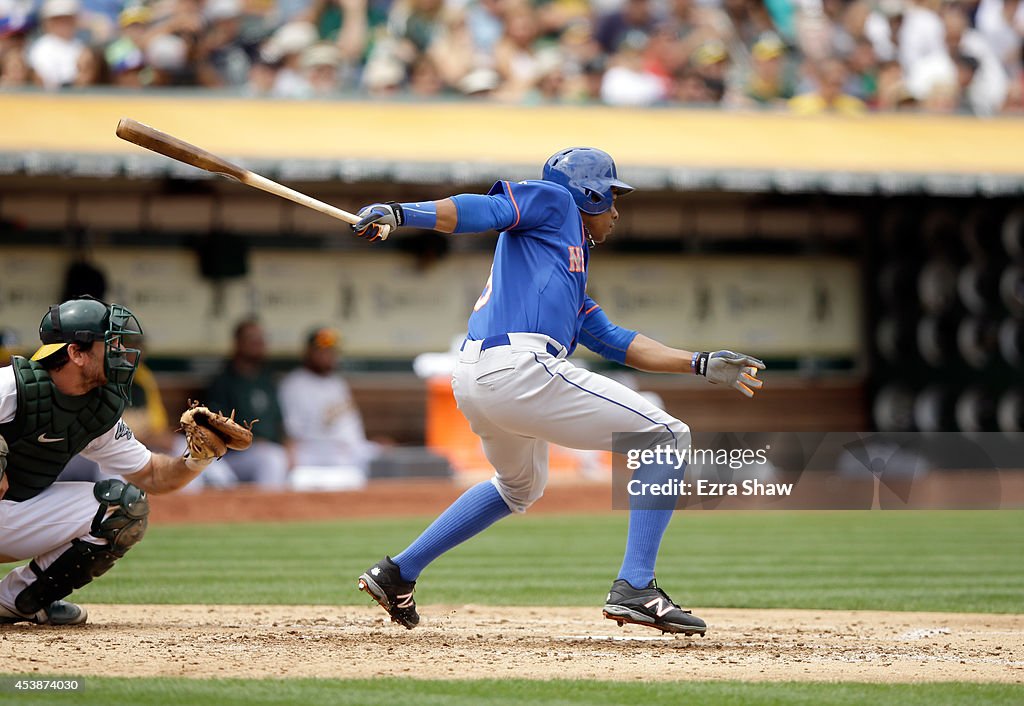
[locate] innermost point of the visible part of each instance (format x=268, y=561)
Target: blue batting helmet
x=589, y=175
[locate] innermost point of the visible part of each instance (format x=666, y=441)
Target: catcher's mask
x=86, y=319
x=590, y=176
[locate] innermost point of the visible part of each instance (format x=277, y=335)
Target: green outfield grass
x=926, y=561
x=227, y=692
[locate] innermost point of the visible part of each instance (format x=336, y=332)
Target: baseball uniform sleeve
x=477, y=213
x=603, y=337
x=8, y=394
x=525, y=207
x=540, y=206
x=118, y=452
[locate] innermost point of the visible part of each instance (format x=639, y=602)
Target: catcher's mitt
x=209, y=435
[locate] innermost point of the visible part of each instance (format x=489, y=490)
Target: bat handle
x=272, y=187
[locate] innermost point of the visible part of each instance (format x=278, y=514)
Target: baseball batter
x=68, y=399
x=515, y=385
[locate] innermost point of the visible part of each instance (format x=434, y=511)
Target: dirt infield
x=472, y=642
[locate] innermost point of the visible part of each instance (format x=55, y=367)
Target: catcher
x=68, y=399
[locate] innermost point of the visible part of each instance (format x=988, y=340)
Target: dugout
x=875, y=262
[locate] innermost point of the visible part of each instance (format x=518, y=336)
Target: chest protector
x=50, y=427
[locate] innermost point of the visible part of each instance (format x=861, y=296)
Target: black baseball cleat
x=57, y=613
x=385, y=585
x=650, y=607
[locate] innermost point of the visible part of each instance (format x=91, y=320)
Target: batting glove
x=377, y=220
x=733, y=369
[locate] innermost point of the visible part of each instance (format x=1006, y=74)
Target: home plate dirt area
x=475, y=642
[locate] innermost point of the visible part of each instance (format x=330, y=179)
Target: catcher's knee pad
x=83, y=561
x=125, y=526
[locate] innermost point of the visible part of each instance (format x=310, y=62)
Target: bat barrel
x=160, y=142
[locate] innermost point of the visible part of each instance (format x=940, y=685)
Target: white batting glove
x=377, y=220
x=733, y=369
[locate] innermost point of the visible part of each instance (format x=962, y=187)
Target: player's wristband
x=699, y=363
x=422, y=214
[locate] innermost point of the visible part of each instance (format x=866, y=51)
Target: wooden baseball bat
x=152, y=139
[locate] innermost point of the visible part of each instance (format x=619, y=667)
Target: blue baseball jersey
x=538, y=279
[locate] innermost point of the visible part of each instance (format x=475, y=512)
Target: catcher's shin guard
x=83, y=561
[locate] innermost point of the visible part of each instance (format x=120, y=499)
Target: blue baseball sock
x=475, y=510
x=648, y=518
x=646, y=528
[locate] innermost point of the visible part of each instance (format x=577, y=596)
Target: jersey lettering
x=485, y=296
x=575, y=258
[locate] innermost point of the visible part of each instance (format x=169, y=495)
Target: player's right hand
x=377, y=220
x=734, y=369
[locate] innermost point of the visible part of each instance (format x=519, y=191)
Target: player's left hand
x=734, y=369
x=377, y=220
x=209, y=435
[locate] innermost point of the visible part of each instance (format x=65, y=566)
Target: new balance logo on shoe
x=651, y=607
x=661, y=609
x=384, y=582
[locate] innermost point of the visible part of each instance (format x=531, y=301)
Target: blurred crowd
x=309, y=434
x=809, y=56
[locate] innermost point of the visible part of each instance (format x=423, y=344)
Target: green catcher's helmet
x=86, y=319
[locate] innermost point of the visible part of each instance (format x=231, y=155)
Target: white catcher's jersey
x=117, y=452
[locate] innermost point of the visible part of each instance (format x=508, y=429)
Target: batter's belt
x=538, y=342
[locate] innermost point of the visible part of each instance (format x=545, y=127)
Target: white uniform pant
x=42, y=528
x=518, y=397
